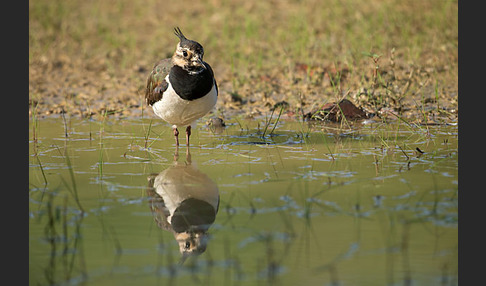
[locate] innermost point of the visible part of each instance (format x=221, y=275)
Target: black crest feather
x=179, y=34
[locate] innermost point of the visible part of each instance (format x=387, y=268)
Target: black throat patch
x=190, y=86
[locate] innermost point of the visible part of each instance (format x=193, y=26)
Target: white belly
x=180, y=112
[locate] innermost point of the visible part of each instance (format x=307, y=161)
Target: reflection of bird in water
x=185, y=202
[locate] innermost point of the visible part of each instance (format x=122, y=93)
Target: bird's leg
x=188, y=134
x=176, y=135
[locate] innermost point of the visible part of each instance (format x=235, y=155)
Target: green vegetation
x=329, y=203
x=94, y=56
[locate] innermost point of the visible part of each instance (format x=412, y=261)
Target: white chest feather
x=180, y=112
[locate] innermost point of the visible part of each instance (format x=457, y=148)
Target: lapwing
x=185, y=202
x=182, y=89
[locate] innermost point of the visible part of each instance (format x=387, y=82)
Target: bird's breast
x=181, y=112
x=190, y=86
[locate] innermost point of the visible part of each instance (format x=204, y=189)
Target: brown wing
x=156, y=84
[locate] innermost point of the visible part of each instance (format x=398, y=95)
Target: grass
x=35, y=127
x=42, y=171
x=103, y=52
x=384, y=55
x=149, y=131
x=101, y=144
x=268, y=122
x=65, y=244
x=73, y=186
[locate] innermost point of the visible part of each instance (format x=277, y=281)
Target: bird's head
x=189, y=54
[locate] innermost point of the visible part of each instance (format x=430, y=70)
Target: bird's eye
x=184, y=53
x=188, y=244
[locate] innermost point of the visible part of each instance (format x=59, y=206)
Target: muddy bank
x=91, y=88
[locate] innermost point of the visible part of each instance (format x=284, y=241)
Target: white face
x=187, y=52
x=185, y=57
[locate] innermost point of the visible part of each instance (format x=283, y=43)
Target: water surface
x=114, y=202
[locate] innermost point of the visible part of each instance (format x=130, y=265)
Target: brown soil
x=87, y=89
x=89, y=61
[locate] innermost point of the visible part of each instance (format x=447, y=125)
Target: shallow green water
x=306, y=205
